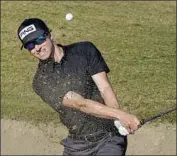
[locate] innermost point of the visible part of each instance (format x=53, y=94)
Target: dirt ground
x=20, y=138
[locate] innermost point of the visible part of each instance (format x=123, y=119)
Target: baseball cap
x=30, y=29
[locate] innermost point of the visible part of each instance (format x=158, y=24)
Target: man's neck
x=58, y=53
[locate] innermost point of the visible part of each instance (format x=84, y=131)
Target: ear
x=51, y=36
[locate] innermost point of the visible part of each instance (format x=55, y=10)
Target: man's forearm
x=110, y=98
x=91, y=107
x=106, y=90
x=97, y=109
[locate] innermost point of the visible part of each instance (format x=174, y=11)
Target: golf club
x=143, y=121
x=123, y=130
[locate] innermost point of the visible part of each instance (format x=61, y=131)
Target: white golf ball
x=69, y=17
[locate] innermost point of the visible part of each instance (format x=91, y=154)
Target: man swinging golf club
x=73, y=80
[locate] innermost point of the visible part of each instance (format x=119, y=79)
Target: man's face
x=42, y=47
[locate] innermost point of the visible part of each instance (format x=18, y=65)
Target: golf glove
x=122, y=130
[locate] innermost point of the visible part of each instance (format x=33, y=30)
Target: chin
x=44, y=57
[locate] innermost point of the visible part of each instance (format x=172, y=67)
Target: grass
x=137, y=40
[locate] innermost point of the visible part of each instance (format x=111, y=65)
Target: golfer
x=73, y=80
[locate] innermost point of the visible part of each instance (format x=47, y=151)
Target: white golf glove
x=122, y=130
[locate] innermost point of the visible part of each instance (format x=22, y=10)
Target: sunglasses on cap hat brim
x=38, y=41
x=31, y=42
x=32, y=36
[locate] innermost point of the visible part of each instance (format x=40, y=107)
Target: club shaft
x=143, y=121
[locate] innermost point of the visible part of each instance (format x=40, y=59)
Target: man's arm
x=74, y=100
x=107, y=92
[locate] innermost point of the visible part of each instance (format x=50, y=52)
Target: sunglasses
x=31, y=45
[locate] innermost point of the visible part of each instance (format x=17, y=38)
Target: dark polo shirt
x=53, y=80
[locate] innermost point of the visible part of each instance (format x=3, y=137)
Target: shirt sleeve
x=95, y=61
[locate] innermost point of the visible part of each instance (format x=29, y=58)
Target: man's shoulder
x=81, y=48
x=81, y=44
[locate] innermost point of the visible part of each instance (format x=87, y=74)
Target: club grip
x=142, y=122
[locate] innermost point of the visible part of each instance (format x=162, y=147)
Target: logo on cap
x=27, y=30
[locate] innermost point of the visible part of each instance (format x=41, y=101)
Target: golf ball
x=69, y=17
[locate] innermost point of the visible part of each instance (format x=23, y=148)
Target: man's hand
x=122, y=130
x=129, y=121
